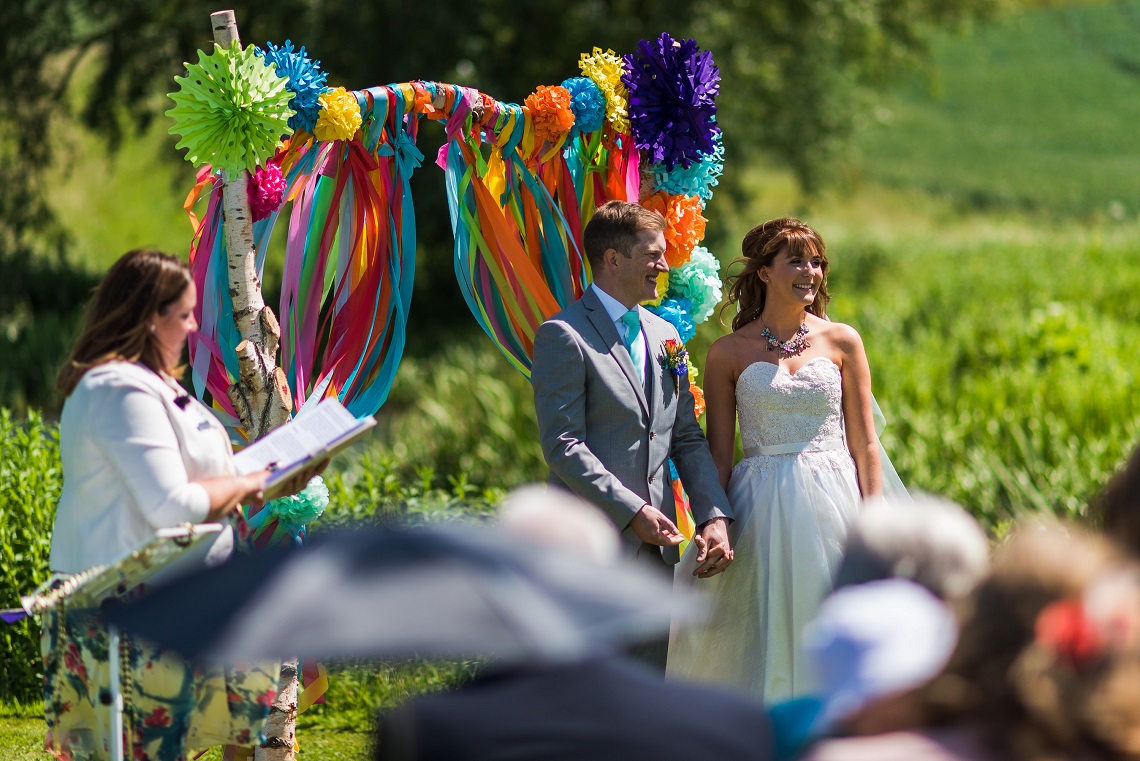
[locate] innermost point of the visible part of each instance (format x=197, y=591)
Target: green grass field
x=1036, y=113
x=986, y=243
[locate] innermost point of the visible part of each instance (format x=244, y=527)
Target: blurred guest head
x=869, y=645
x=932, y=542
x=1117, y=507
x=1047, y=663
x=138, y=314
x=557, y=518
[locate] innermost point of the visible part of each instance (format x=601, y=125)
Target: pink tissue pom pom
x=266, y=191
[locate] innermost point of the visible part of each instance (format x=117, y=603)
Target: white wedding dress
x=794, y=495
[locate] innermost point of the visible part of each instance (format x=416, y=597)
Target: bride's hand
x=713, y=550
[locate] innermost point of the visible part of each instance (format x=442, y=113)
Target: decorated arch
x=281, y=153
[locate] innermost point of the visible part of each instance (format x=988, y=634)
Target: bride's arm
x=862, y=441
x=720, y=408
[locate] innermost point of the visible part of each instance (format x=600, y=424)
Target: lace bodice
x=775, y=407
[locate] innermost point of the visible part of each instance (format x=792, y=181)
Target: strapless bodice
x=777, y=408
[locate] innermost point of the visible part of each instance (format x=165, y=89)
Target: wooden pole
x=260, y=394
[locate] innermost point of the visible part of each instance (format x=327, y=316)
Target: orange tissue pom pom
x=684, y=224
x=550, y=112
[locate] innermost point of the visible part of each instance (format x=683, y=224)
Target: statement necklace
x=790, y=348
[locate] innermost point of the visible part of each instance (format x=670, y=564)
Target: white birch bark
x=260, y=394
x=260, y=399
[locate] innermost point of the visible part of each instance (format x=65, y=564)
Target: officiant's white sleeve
x=141, y=446
x=558, y=375
x=124, y=472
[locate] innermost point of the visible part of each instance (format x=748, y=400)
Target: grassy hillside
x=1035, y=113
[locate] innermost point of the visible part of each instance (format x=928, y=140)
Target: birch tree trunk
x=260, y=394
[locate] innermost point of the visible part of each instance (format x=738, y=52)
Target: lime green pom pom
x=231, y=109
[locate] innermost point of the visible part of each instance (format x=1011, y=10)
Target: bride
x=801, y=388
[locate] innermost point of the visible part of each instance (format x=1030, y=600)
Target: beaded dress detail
x=794, y=494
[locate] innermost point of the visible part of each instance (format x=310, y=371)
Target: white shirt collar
x=614, y=308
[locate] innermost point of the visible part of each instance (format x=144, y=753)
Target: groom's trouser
x=653, y=652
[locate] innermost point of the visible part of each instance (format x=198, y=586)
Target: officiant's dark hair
x=615, y=225
x=141, y=285
x=759, y=248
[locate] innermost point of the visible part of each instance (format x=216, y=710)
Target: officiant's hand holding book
x=303, y=446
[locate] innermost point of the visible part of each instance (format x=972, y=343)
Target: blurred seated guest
x=931, y=541
x=602, y=707
x=139, y=454
x=610, y=707
x=558, y=518
x=1117, y=507
x=870, y=645
x=1047, y=664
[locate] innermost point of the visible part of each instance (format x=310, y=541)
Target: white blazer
x=132, y=442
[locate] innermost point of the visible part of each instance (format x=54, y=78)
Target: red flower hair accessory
x=1065, y=629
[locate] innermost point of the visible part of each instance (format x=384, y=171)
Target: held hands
x=651, y=526
x=713, y=550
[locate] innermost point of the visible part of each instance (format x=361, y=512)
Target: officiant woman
x=140, y=454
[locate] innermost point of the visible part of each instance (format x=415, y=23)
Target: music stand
x=90, y=589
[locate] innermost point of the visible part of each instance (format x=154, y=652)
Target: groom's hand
x=713, y=550
x=651, y=526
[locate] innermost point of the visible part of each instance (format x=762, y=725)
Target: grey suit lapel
x=608, y=331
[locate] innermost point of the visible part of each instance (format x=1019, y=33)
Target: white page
x=300, y=439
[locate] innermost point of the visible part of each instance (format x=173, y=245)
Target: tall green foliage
x=30, y=482
x=467, y=411
x=1006, y=369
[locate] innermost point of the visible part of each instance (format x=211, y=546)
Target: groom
x=610, y=415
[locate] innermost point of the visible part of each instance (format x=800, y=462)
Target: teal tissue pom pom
x=305, y=506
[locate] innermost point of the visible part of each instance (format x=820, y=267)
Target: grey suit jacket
x=602, y=438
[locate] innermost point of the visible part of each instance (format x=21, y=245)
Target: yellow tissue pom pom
x=340, y=116
x=606, y=70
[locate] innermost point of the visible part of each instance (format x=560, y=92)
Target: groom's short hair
x=615, y=225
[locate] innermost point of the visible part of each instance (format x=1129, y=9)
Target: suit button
x=651, y=479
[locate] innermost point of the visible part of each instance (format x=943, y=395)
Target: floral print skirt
x=170, y=706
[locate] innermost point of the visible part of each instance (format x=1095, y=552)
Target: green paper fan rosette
x=231, y=109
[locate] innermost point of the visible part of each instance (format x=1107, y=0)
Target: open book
x=313, y=435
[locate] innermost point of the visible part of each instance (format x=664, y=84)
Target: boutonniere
x=675, y=359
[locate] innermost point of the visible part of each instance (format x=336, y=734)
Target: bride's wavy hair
x=759, y=248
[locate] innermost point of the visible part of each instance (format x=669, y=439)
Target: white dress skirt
x=794, y=495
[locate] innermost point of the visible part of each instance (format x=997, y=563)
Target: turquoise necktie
x=633, y=342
